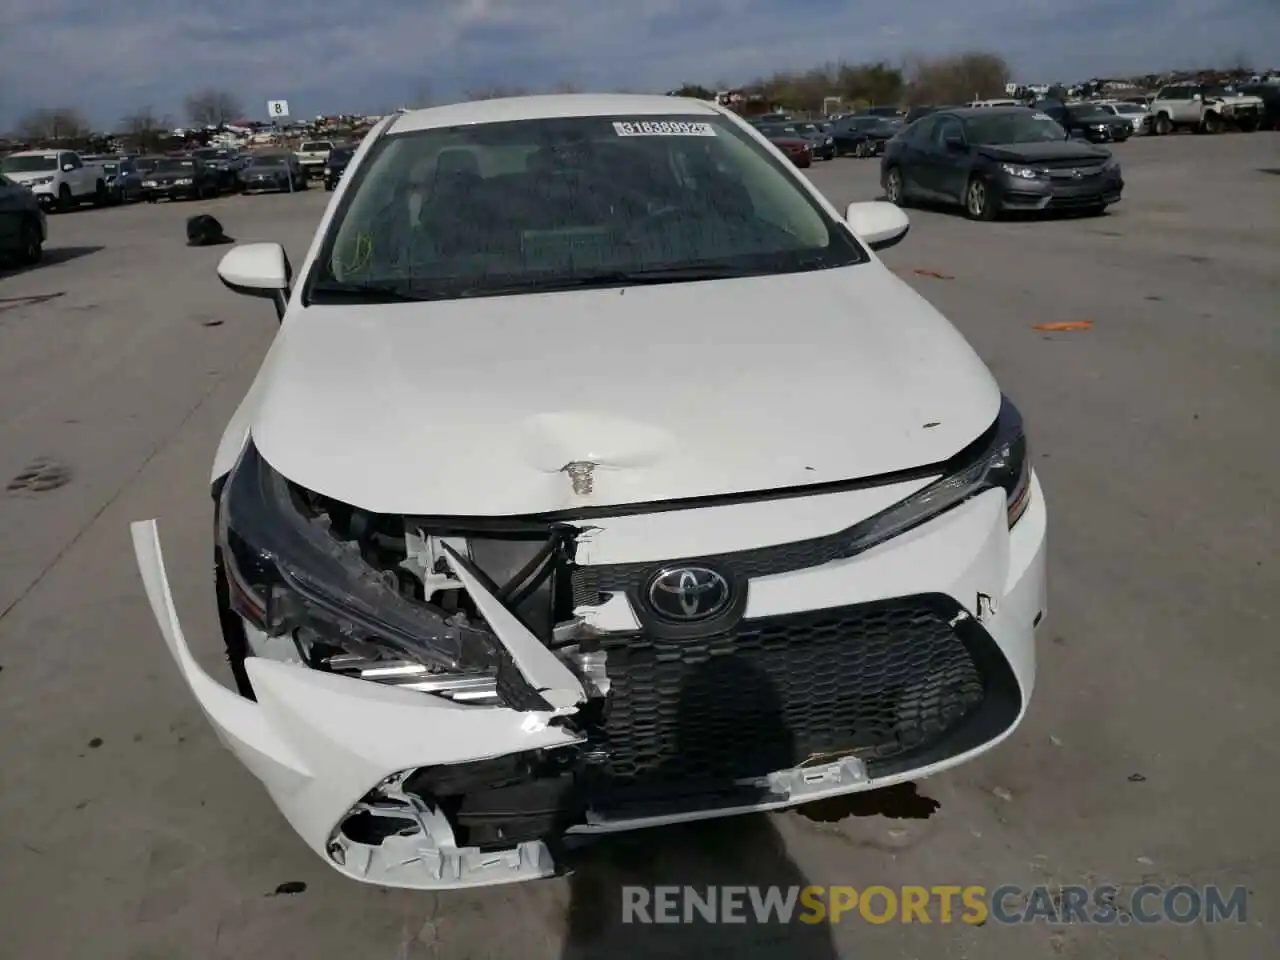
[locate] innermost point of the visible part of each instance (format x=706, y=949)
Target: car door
x=914, y=155
x=75, y=177
x=10, y=213
x=947, y=166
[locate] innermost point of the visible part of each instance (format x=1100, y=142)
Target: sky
x=370, y=56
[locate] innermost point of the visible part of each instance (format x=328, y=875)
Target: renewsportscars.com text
x=974, y=905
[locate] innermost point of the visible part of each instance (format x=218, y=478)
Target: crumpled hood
x=474, y=407
x=1046, y=151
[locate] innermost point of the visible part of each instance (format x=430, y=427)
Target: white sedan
x=550, y=515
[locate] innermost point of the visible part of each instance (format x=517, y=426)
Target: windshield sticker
x=663, y=128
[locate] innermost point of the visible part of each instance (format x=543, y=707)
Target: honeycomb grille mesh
x=875, y=680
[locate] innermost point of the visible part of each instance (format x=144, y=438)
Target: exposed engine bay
x=662, y=719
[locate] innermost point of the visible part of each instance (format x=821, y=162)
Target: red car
x=798, y=149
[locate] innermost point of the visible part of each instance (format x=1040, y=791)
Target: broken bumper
x=320, y=743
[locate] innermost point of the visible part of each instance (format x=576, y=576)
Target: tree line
x=146, y=127
x=918, y=80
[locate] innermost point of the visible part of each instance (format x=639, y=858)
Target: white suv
x=1205, y=108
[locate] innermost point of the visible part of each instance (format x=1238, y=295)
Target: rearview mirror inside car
x=258, y=270
x=877, y=224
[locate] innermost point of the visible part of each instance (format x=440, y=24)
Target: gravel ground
x=127, y=831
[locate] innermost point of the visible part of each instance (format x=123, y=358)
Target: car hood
x=27, y=176
x=1238, y=100
x=1046, y=151
x=475, y=407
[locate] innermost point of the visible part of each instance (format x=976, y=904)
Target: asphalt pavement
x=1150, y=755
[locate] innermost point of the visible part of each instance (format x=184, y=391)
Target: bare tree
x=495, y=92
x=145, y=130
x=958, y=79
x=53, y=125
x=213, y=108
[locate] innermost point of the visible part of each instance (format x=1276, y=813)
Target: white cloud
x=371, y=54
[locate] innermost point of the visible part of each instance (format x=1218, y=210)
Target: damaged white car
x=600, y=476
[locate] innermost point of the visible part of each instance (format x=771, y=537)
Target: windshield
x=1021, y=126
x=778, y=130
x=1128, y=108
x=547, y=204
x=316, y=146
x=171, y=164
x=28, y=164
x=259, y=162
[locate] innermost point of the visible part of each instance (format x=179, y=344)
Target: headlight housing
x=183, y=182
x=289, y=575
x=1022, y=173
x=41, y=181
x=999, y=460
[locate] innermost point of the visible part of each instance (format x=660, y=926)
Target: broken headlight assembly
x=999, y=460
x=327, y=578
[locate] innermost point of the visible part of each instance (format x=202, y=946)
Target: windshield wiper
x=365, y=292
x=614, y=278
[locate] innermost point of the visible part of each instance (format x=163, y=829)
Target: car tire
x=1249, y=126
x=895, y=188
x=1163, y=126
x=1211, y=124
x=100, y=195
x=65, y=200
x=30, y=244
x=979, y=204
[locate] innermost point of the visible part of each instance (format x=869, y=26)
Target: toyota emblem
x=688, y=594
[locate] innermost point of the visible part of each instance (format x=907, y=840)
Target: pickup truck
x=312, y=155
x=60, y=179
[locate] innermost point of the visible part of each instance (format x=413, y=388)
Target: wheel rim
x=977, y=198
x=895, y=186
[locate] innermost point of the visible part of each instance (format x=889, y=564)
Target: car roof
x=968, y=113
x=547, y=107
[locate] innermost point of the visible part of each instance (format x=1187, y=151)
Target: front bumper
x=171, y=192
x=320, y=743
x=1060, y=194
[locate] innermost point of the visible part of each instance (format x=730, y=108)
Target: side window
x=946, y=127
x=70, y=158
x=922, y=130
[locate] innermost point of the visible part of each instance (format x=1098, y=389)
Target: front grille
x=892, y=682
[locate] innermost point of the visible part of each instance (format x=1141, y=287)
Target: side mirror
x=68, y=167
x=878, y=224
x=955, y=144
x=258, y=270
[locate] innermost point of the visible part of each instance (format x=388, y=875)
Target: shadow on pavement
x=732, y=701
x=52, y=257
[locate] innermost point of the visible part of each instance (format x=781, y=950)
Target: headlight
x=327, y=171
x=148, y=183
x=999, y=460
x=829, y=141
x=41, y=181
x=290, y=575
x=1022, y=173
x=184, y=182
x=1099, y=126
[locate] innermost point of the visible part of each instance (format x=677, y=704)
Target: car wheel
x=978, y=202
x=1249, y=125
x=1212, y=123
x=30, y=245
x=100, y=195
x=894, y=189
x=1163, y=125
x=64, y=198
